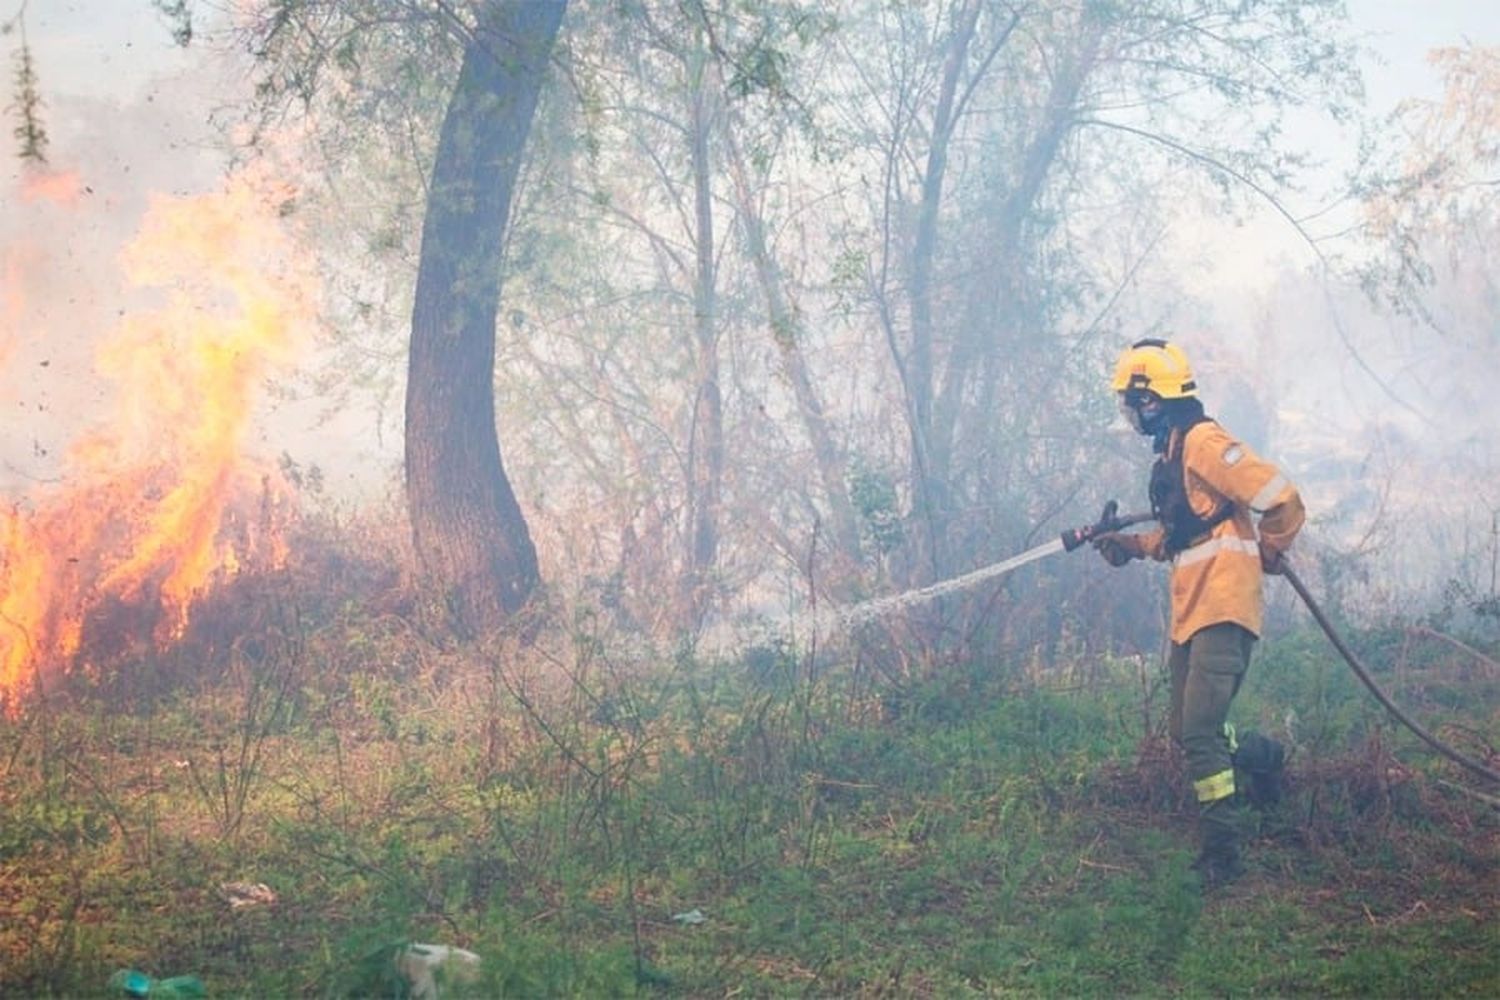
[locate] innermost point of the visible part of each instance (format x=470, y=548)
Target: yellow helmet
x=1157, y=366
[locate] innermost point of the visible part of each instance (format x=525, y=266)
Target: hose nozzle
x=1109, y=520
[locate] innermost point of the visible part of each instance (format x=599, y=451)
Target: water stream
x=849, y=618
x=834, y=621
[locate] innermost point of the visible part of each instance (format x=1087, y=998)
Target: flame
x=158, y=499
x=12, y=301
x=62, y=187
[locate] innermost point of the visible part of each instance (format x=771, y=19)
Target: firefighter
x=1207, y=488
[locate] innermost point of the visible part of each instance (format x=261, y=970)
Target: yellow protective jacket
x=1218, y=578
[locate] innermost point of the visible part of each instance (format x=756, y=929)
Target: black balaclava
x=1166, y=414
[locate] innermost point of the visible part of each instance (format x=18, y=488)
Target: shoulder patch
x=1233, y=454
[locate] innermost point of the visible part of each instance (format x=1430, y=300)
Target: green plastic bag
x=135, y=983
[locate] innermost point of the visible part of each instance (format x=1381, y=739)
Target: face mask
x=1143, y=412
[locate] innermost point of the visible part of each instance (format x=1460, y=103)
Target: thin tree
x=30, y=134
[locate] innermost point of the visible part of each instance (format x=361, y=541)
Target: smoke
x=61, y=284
x=132, y=121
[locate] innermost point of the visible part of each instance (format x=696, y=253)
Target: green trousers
x=1206, y=674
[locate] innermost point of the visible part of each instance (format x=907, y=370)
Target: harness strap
x=1183, y=527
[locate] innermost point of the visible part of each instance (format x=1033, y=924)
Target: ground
x=560, y=815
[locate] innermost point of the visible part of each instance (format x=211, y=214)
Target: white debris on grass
x=423, y=965
x=240, y=895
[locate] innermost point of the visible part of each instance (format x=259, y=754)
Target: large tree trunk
x=470, y=535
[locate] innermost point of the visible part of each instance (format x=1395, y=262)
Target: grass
x=559, y=812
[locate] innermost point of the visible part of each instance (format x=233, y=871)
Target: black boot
x=1219, y=862
x=1262, y=760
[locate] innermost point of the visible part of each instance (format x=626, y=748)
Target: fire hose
x=1112, y=521
x=1363, y=674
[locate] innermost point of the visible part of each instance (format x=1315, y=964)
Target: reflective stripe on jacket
x=1218, y=579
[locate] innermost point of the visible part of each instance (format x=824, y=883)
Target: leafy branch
x=30, y=132
x=180, y=16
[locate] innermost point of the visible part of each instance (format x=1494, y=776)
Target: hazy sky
x=120, y=51
x=1398, y=36
x=1402, y=32
x=114, y=48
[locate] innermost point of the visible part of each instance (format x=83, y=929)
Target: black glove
x=1118, y=548
x=1270, y=560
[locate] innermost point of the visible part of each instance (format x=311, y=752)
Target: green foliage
x=1471, y=609
x=30, y=133
x=180, y=16
x=874, y=496
x=522, y=961
x=959, y=837
x=47, y=821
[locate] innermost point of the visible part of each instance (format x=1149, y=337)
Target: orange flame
x=12, y=302
x=154, y=495
x=63, y=187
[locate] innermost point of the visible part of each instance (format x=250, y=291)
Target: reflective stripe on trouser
x=1206, y=673
x=1215, y=786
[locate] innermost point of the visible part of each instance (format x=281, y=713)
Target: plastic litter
x=241, y=895
x=135, y=983
x=423, y=965
x=693, y=916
